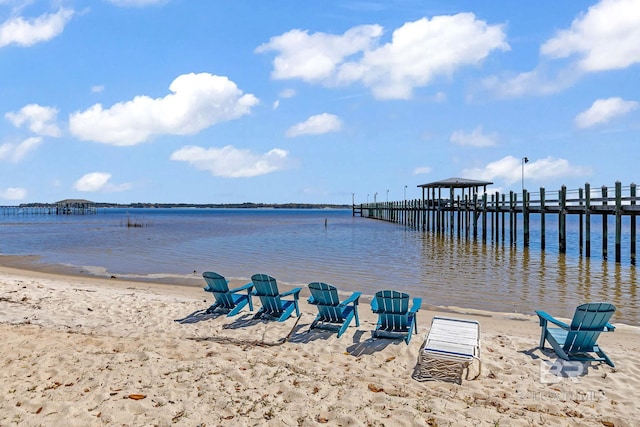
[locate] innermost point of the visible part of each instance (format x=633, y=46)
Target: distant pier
x=63, y=207
x=485, y=216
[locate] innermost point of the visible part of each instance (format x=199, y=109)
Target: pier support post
x=525, y=217
x=605, y=226
x=580, y=223
x=484, y=218
x=543, y=235
x=632, y=225
x=562, y=221
x=618, y=237
x=587, y=220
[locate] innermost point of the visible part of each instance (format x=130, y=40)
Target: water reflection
x=512, y=279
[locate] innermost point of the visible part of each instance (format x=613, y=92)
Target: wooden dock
x=494, y=216
x=63, y=207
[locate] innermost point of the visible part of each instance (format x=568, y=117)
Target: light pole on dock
x=405, y=193
x=387, y=196
x=524, y=160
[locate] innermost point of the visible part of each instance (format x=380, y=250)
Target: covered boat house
x=469, y=186
x=75, y=207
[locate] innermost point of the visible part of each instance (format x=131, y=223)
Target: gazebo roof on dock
x=75, y=202
x=456, y=183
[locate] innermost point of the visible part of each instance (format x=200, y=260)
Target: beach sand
x=83, y=351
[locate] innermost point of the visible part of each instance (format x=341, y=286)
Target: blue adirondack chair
x=332, y=314
x=395, y=319
x=577, y=340
x=273, y=305
x=230, y=301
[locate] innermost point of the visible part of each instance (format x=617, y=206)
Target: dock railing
x=493, y=215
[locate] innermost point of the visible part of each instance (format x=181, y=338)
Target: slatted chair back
x=266, y=288
x=589, y=320
x=326, y=298
x=219, y=287
x=393, y=308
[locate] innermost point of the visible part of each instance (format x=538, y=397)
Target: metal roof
x=75, y=201
x=456, y=183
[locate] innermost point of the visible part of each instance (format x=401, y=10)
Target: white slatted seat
x=449, y=348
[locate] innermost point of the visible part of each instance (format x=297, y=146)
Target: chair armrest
x=609, y=327
x=295, y=292
x=546, y=317
x=352, y=299
x=374, y=305
x=248, y=287
x=417, y=303
x=312, y=300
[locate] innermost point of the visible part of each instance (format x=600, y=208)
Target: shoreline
x=29, y=264
x=76, y=349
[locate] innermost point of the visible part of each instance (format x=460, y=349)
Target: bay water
x=298, y=246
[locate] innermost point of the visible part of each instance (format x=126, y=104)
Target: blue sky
x=313, y=102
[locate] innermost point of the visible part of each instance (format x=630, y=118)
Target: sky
x=315, y=101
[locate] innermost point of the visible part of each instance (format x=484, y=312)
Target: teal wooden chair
x=273, y=304
x=577, y=340
x=332, y=314
x=395, y=319
x=230, y=301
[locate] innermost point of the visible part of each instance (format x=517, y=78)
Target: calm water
x=361, y=254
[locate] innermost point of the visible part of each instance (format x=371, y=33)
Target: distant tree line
x=245, y=205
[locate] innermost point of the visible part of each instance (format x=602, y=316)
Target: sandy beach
x=83, y=351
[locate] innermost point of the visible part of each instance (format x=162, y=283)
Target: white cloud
x=287, y=93
x=422, y=170
x=97, y=88
x=536, y=82
x=41, y=120
x=98, y=181
x=315, y=125
x=197, y=101
x=603, y=111
x=15, y=153
x=29, y=32
x=419, y=51
x=230, y=162
x=509, y=170
x=13, y=193
x=607, y=37
x=314, y=58
x=475, y=139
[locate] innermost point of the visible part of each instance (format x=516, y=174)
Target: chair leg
x=295, y=303
x=237, y=308
x=313, y=324
x=345, y=324
x=286, y=314
x=604, y=356
x=212, y=308
x=543, y=334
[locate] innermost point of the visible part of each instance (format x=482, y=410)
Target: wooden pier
x=497, y=217
x=63, y=207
